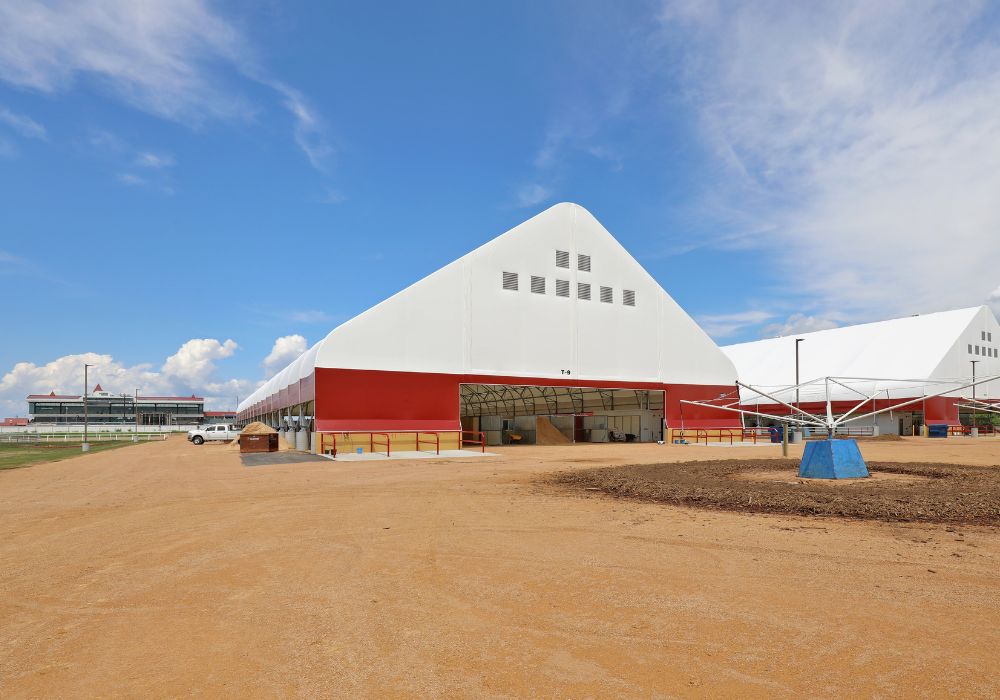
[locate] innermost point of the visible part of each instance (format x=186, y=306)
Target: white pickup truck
x=213, y=432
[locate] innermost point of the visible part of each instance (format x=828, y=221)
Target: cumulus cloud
x=194, y=361
x=285, y=349
x=192, y=369
x=177, y=60
x=994, y=301
x=859, y=141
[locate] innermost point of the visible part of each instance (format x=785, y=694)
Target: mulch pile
x=949, y=493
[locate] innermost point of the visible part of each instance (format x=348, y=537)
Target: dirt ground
x=895, y=491
x=170, y=569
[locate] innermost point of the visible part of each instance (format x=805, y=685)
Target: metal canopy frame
x=531, y=400
x=829, y=423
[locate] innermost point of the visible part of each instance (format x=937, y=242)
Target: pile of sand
x=257, y=428
x=548, y=434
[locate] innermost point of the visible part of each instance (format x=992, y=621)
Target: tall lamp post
x=797, y=401
x=135, y=410
x=974, y=416
x=85, y=446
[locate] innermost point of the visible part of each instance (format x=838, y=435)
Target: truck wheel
x=197, y=439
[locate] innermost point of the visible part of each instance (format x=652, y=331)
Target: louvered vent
x=628, y=297
x=510, y=281
x=606, y=295
x=537, y=285
x=562, y=288
x=583, y=262
x=562, y=259
x=583, y=291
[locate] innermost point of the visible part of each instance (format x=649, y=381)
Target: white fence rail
x=35, y=438
x=72, y=428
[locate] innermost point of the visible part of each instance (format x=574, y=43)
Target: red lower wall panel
x=937, y=410
x=348, y=399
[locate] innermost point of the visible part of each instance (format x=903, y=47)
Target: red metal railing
x=719, y=434
x=331, y=440
x=464, y=441
x=437, y=441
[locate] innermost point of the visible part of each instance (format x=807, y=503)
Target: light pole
x=135, y=410
x=797, y=401
x=85, y=446
x=797, y=341
x=974, y=416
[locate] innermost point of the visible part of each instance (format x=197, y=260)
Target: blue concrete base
x=833, y=459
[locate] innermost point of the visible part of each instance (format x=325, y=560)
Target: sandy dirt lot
x=169, y=569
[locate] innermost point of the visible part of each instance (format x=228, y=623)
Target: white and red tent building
x=553, y=318
x=897, y=362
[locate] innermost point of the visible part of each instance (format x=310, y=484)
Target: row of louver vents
x=582, y=261
x=510, y=283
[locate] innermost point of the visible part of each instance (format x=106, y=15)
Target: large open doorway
x=551, y=415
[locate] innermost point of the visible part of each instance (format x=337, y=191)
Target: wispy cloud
x=531, y=195
x=23, y=124
x=798, y=323
x=309, y=316
x=309, y=129
x=721, y=326
x=333, y=196
x=859, y=141
x=177, y=60
x=148, y=159
x=131, y=179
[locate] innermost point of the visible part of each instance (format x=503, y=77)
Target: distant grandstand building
x=105, y=407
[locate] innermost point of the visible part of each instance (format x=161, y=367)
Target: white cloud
x=194, y=361
x=190, y=370
x=285, y=349
x=309, y=316
x=994, y=300
x=725, y=325
x=148, y=159
x=178, y=60
x=309, y=130
x=798, y=323
x=23, y=124
x=131, y=179
x=859, y=141
x=531, y=195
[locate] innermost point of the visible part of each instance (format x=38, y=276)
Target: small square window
x=510, y=282
x=562, y=288
x=977, y=349
x=989, y=336
x=607, y=296
x=628, y=297
x=970, y=348
x=984, y=335
x=583, y=262
x=583, y=291
x=537, y=285
x=562, y=259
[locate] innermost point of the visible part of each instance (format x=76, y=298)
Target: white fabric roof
x=923, y=353
x=461, y=320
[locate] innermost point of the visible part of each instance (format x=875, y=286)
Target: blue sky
x=177, y=175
